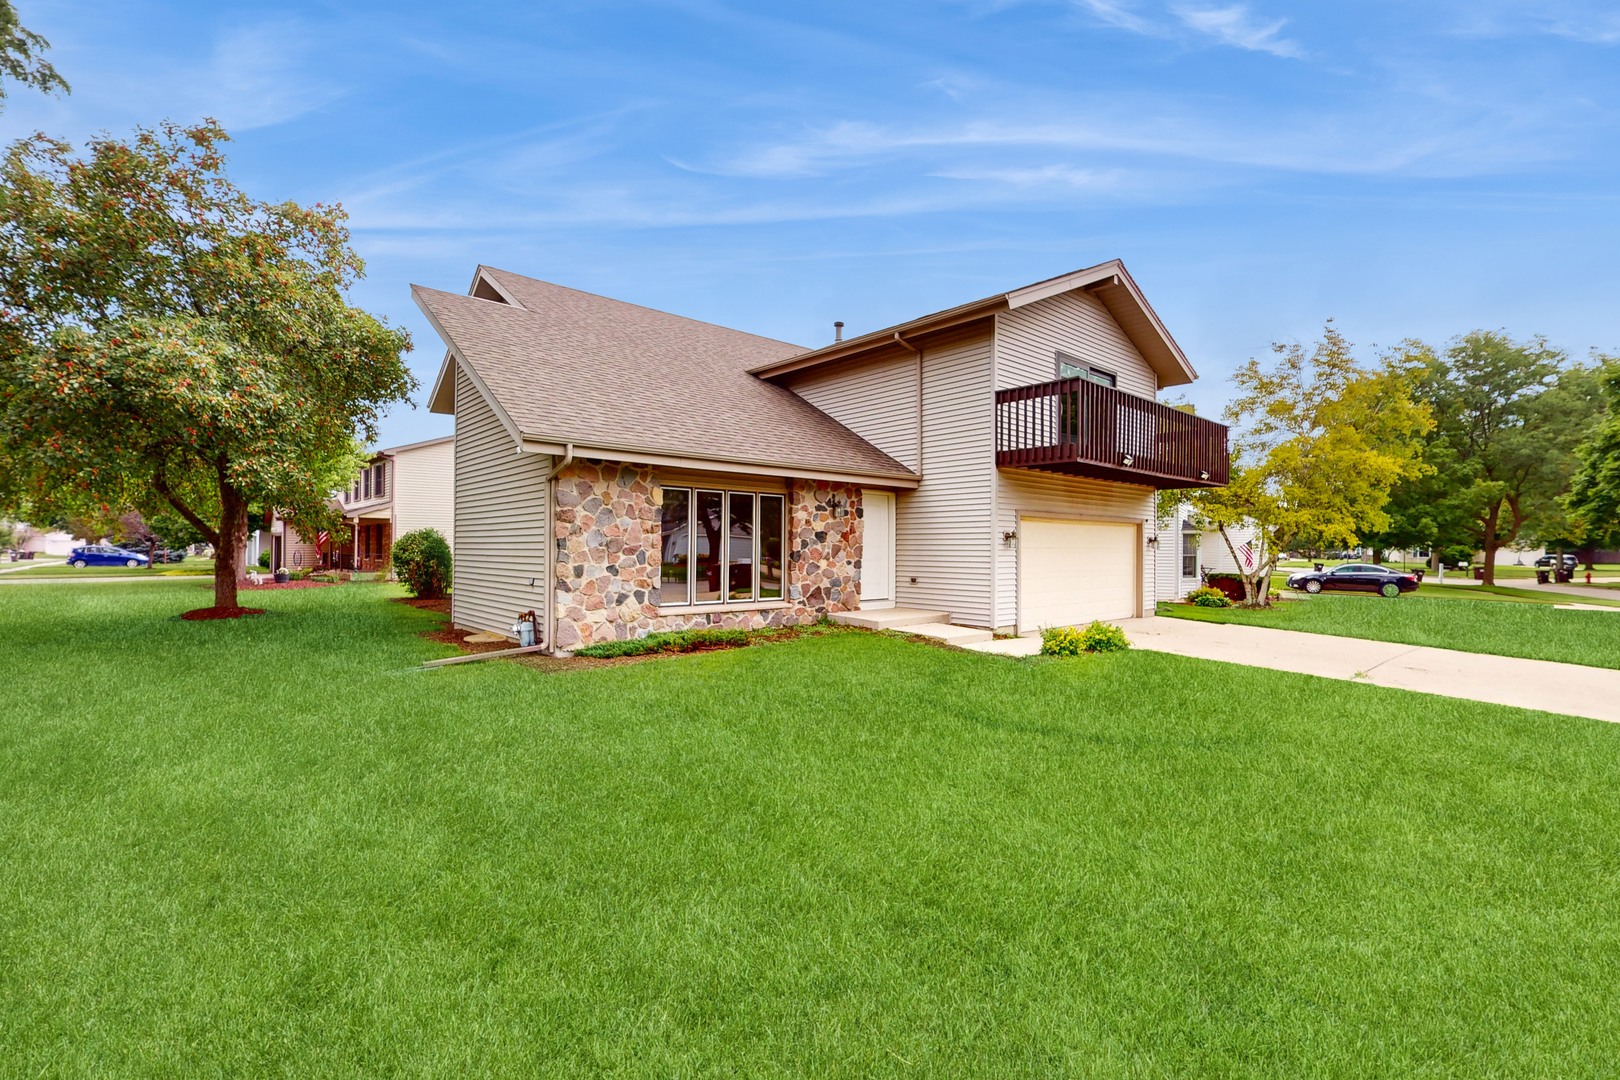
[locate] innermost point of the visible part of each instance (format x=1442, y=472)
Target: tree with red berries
x=168, y=343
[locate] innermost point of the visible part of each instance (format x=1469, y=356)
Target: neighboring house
x=1189, y=552
x=401, y=489
x=46, y=542
x=622, y=470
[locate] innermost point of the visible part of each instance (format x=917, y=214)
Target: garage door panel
x=1072, y=572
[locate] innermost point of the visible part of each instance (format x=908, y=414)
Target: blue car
x=105, y=555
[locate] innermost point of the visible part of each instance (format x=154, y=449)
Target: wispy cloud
x=1114, y=13
x=1233, y=25
x=1239, y=27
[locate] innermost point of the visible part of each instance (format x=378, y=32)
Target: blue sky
x=1409, y=169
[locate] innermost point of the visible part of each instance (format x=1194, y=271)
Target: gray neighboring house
x=621, y=470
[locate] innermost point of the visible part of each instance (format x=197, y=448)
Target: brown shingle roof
x=573, y=367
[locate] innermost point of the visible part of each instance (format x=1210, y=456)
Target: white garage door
x=1072, y=572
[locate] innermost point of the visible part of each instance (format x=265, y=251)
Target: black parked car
x=1569, y=559
x=1355, y=577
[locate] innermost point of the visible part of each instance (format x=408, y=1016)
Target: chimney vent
x=838, y=332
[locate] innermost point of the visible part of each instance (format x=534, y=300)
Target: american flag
x=321, y=538
x=1246, y=553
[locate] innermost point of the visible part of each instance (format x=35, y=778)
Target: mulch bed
x=457, y=638
x=306, y=584
x=204, y=614
x=440, y=604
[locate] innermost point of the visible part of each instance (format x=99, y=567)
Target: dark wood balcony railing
x=1084, y=428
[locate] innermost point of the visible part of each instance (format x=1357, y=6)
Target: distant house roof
x=1109, y=282
x=562, y=366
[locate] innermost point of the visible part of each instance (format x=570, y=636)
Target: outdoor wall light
x=1203, y=475
x=1127, y=460
x=1153, y=541
x=835, y=503
x=1008, y=537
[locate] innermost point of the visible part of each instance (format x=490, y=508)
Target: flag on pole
x=1247, y=554
x=321, y=538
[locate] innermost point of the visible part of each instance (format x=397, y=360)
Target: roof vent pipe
x=838, y=332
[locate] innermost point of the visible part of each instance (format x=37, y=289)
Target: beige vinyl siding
x=1049, y=495
x=943, y=528
x=502, y=529
x=424, y=485
x=877, y=400
x=297, y=552
x=1075, y=323
x=1168, y=582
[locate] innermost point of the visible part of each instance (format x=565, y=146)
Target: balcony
x=1082, y=428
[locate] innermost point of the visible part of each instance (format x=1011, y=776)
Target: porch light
x=1127, y=460
x=1203, y=474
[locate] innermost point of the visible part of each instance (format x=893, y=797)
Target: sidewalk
x=1572, y=689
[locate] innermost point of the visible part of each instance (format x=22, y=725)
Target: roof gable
x=571, y=367
x=1110, y=282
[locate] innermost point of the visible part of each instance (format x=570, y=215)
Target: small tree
x=166, y=340
x=1317, y=444
x=422, y=562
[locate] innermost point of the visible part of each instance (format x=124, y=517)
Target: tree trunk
x=233, y=530
x=1489, y=537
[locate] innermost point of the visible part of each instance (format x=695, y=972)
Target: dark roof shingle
x=571, y=366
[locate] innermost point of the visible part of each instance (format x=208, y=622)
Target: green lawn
x=276, y=847
x=192, y=566
x=1531, y=629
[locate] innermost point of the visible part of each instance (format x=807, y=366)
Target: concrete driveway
x=1572, y=689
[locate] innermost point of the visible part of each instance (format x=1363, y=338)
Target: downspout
x=551, y=546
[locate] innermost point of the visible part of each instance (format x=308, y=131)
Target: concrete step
x=949, y=634
x=890, y=618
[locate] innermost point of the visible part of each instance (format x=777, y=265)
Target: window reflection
x=707, y=524
x=771, y=512
x=675, y=568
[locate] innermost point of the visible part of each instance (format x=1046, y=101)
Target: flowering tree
x=168, y=343
x=1318, y=441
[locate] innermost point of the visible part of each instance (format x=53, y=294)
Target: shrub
x=1070, y=641
x=670, y=641
x=422, y=561
x=1204, y=596
x=264, y=559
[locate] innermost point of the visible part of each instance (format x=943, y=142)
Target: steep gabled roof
x=1109, y=282
x=568, y=367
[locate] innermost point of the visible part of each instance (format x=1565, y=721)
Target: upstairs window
x=1072, y=367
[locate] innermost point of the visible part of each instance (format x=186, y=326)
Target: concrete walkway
x=1572, y=689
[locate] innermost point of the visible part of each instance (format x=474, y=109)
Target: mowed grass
x=191, y=567
x=276, y=847
x=1537, y=631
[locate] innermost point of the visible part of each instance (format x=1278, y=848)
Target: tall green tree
x=1594, y=497
x=164, y=338
x=22, y=56
x=1318, y=442
x=1510, y=416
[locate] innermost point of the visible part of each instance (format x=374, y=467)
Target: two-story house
x=625, y=470
x=400, y=489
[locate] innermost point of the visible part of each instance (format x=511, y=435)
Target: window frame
x=1189, y=554
x=1082, y=370
x=725, y=556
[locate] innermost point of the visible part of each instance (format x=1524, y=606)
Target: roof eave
x=551, y=444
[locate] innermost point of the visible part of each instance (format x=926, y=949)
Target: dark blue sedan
x=105, y=555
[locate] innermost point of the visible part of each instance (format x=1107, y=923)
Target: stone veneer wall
x=607, y=540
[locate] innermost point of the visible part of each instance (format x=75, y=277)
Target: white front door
x=877, y=548
x=1072, y=572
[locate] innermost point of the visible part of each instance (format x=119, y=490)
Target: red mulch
x=306, y=584
x=203, y=614
x=457, y=638
x=440, y=604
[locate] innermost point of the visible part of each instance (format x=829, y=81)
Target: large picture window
x=721, y=546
